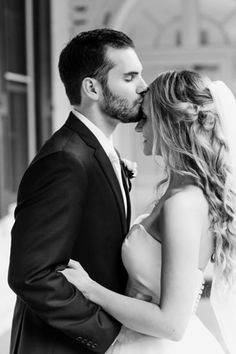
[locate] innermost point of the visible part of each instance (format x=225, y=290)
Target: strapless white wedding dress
x=141, y=255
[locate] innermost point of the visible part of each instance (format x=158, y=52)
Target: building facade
x=170, y=34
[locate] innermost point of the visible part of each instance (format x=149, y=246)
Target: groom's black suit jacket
x=69, y=206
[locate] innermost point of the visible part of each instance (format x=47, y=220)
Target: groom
x=73, y=202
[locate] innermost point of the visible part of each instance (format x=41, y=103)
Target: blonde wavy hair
x=188, y=134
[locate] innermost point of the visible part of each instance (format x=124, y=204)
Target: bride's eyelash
x=144, y=116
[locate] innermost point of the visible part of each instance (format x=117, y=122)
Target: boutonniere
x=130, y=168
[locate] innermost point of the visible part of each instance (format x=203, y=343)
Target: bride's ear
x=91, y=89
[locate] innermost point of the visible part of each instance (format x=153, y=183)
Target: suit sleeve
x=51, y=198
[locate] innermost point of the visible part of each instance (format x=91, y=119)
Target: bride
x=166, y=252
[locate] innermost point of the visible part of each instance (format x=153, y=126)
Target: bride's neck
x=178, y=181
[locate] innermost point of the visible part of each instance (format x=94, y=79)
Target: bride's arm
x=182, y=222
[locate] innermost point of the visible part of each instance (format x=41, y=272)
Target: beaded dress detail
x=141, y=255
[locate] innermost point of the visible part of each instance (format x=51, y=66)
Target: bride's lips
x=139, y=101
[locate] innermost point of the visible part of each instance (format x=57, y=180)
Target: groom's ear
x=90, y=87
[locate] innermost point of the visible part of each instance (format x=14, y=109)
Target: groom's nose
x=142, y=87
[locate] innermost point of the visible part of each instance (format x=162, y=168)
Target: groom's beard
x=119, y=108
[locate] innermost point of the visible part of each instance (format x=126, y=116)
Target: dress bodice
x=142, y=258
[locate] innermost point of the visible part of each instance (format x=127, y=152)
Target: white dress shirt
x=107, y=145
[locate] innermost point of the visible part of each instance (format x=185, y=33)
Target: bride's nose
x=139, y=126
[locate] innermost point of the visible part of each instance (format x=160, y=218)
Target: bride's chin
x=146, y=151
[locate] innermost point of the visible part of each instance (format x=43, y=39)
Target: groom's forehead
x=124, y=59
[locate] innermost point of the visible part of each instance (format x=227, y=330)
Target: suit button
x=89, y=343
x=94, y=345
x=79, y=338
x=84, y=340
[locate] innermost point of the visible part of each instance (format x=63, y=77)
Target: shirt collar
x=107, y=143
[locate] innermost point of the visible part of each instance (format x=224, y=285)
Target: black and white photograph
x=117, y=176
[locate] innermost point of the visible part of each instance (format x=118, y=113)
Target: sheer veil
x=223, y=298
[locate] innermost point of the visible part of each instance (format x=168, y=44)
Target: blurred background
x=169, y=34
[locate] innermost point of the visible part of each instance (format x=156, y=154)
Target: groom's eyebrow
x=131, y=73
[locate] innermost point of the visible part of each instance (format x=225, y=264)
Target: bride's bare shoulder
x=188, y=200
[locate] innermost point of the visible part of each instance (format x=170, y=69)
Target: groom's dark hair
x=85, y=56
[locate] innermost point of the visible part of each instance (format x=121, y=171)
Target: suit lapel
x=103, y=160
x=108, y=170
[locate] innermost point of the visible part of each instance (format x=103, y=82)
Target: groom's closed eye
x=130, y=76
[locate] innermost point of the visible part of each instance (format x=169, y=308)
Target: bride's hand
x=76, y=275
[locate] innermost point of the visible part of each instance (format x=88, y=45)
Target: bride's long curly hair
x=188, y=134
